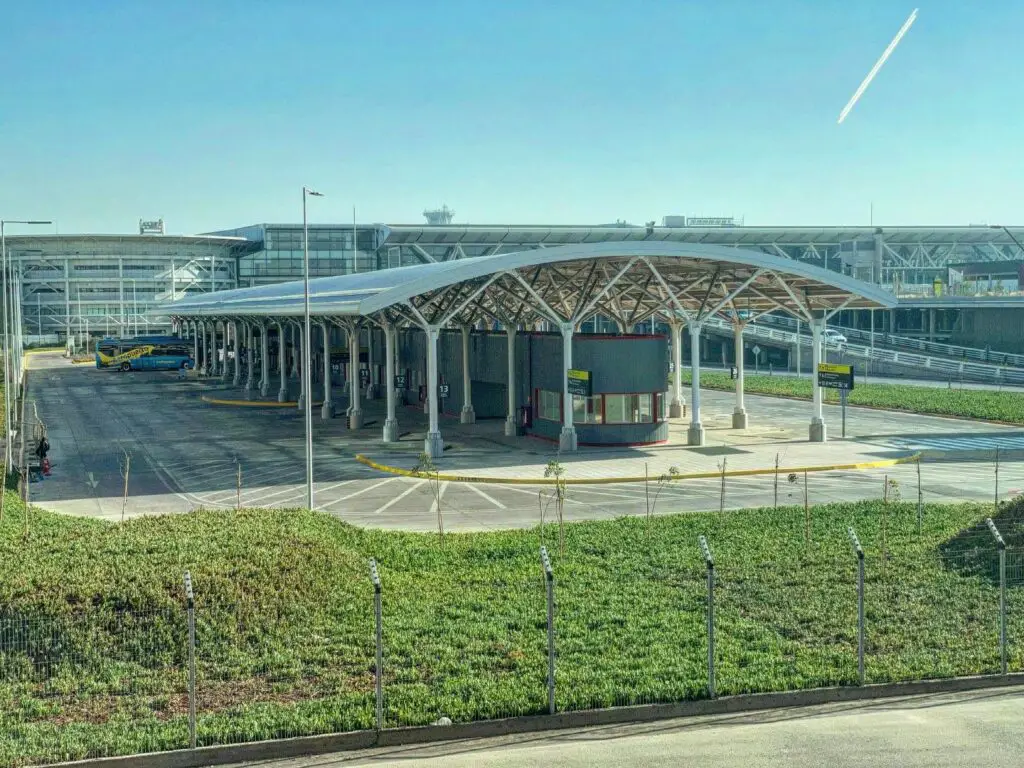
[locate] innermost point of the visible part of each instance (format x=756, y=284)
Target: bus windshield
x=144, y=353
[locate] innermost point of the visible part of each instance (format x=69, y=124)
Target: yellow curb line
x=636, y=479
x=254, y=403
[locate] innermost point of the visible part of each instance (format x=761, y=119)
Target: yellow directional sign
x=579, y=382
x=833, y=376
x=844, y=370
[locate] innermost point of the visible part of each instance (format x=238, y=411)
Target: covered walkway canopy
x=684, y=284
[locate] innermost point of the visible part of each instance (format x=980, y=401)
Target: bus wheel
x=126, y=366
x=186, y=366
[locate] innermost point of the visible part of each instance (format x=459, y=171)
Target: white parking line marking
x=399, y=497
x=358, y=493
x=440, y=497
x=493, y=501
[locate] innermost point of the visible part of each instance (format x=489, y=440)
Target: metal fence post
x=859, y=552
x=996, y=505
x=190, y=597
x=378, y=617
x=920, y=497
x=710, y=562
x=549, y=580
x=1002, y=592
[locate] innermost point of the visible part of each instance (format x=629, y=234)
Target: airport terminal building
x=956, y=284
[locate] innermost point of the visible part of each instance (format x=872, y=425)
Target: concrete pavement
x=186, y=453
x=981, y=728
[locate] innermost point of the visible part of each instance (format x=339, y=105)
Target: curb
x=263, y=751
x=254, y=403
x=631, y=479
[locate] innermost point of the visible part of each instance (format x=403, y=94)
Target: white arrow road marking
x=92, y=481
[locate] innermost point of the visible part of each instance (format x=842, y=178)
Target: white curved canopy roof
x=627, y=281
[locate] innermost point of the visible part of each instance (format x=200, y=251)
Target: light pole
x=5, y=329
x=307, y=378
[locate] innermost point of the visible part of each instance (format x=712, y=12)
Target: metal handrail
x=1001, y=359
x=939, y=366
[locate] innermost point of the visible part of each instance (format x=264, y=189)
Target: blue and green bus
x=144, y=353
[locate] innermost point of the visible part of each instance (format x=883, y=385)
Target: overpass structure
x=552, y=288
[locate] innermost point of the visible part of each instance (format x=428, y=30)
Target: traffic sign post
x=757, y=358
x=833, y=376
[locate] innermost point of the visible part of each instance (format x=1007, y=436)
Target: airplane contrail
x=878, y=65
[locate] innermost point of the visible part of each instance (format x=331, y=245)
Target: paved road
x=937, y=731
x=183, y=455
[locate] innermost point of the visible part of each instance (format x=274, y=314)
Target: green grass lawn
x=969, y=403
x=93, y=629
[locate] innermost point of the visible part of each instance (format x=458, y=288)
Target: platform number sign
x=833, y=376
x=364, y=376
x=442, y=390
x=579, y=382
x=399, y=381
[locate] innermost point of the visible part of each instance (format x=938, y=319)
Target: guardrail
x=958, y=370
x=934, y=348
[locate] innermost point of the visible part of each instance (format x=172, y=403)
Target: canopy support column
x=371, y=389
x=196, y=361
x=567, y=439
x=355, y=413
x=327, y=409
x=739, y=415
x=391, y=422
x=236, y=379
x=817, y=430
x=295, y=353
x=695, y=434
x=282, y=365
x=510, y=420
x=433, y=446
x=300, y=348
x=250, y=356
x=677, y=406
x=468, y=415
x=264, y=358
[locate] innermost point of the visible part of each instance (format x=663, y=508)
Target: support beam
x=433, y=445
x=510, y=345
x=236, y=380
x=390, y=422
x=327, y=409
x=250, y=356
x=567, y=439
x=739, y=415
x=282, y=365
x=264, y=358
x=817, y=430
x=468, y=415
x=371, y=388
x=695, y=434
x=204, y=361
x=355, y=412
x=303, y=373
x=677, y=404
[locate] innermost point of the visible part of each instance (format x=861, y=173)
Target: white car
x=832, y=337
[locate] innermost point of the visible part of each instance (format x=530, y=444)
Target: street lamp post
x=7, y=356
x=307, y=377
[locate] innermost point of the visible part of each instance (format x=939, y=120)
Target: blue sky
x=214, y=114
